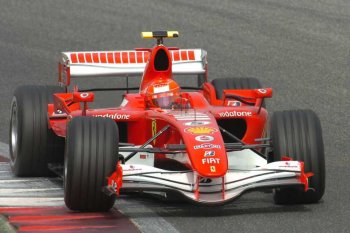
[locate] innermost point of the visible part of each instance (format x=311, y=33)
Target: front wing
x=213, y=190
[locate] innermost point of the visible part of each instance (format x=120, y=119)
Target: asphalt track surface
x=300, y=48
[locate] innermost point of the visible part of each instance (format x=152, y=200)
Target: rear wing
x=125, y=63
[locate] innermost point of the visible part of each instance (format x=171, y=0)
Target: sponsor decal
x=196, y=123
x=233, y=103
x=154, y=129
x=288, y=166
x=124, y=103
x=205, y=181
x=160, y=88
x=131, y=168
x=212, y=168
x=235, y=114
x=204, y=138
x=262, y=90
x=192, y=117
x=201, y=130
x=206, y=146
x=84, y=95
x=143, y=156
x=114, y=116
x=209, y=153
x=210, y=161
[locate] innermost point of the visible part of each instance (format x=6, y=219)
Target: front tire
x=91, y=156
x=298, y=134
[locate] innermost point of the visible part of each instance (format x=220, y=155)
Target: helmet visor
x=164, y=102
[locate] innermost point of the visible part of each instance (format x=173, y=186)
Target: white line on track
x=149, y=223
x=32, y=201
x=4, y=173
x=11, y=191
x=19, y=180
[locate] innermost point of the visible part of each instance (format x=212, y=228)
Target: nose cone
x=204, y=143
x=207, y=151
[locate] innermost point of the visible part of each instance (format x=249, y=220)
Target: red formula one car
x=210, y=144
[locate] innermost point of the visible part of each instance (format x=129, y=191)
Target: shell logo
x=201, y=130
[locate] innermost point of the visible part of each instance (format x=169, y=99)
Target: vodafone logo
x=204, y=138
x=235, y=114
x=114, y=116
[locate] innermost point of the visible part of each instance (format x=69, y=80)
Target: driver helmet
x=163, y=93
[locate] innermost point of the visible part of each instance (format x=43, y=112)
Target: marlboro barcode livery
x=210, y=143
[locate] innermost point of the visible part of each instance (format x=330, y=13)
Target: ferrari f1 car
x=210, y=143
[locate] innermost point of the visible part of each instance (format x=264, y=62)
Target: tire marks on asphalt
x=37, y=205
x=16, y=191
x=59, y=220
x=29, y=198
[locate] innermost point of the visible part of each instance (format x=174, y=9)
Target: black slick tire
x=221, y=84
x=91, y=156
x=32, y=144
x=244, y=83
x=298, y=134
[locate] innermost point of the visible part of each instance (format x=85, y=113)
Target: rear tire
x=32, y=144
x=221, y=84
x=91, y=157
x=298, y=134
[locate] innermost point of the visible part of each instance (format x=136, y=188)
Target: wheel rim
x=14, y=131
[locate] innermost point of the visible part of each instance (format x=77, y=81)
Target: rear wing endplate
x=125, y=63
